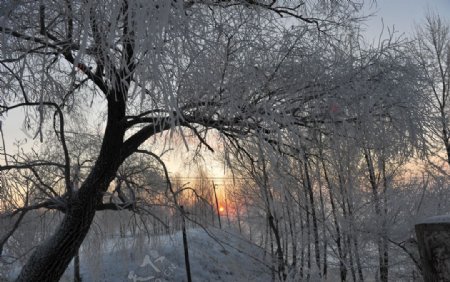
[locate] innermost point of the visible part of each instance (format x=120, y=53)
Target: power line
x=211, y=178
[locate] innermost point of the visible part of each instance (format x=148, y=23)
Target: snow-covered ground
x=215, y=255
x=435, y=219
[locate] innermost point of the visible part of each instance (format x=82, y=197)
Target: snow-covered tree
x=154, y=66
x=432, y=52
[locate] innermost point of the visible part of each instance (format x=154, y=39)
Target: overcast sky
x=403, y=14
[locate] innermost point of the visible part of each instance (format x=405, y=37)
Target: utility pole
x=226, y=207
x=217, y=205
x=185, y=245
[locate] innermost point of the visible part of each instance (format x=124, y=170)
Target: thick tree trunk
x=76, y=268
x=50, y=259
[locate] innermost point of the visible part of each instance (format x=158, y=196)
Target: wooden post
x=185, y=245
x=433, y=238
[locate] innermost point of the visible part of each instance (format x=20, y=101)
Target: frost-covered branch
x=67, y=166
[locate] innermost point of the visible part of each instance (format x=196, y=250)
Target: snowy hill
x=215, y=255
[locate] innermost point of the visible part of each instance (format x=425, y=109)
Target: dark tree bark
x=76, y=268
x=50, y=259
